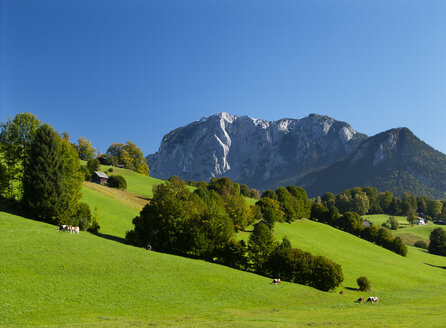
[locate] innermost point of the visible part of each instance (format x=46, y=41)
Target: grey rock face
x=252, y=151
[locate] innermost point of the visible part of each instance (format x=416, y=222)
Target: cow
x=372, y=299
x=276, y=281
x=341, y=292
x=62, y=227
x=72, y=229
x=360, y=300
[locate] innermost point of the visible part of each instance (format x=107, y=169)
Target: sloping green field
x=51, y=278
x=54, y=279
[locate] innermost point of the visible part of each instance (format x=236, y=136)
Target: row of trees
x=42, y=172
x=352, y=222
x=203, y=223
x=368, y=200
x=244, y=189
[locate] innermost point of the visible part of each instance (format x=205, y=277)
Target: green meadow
x=408, y=234
x=54, y=279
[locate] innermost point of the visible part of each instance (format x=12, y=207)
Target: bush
x=110, y=170
x=364, y=284
x=117, y=181
x=421, y=244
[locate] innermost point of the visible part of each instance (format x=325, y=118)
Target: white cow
x=62, y=227
x=276, y=281
x=372, y=299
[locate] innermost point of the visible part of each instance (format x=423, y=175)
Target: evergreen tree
x=44, y=176
x=260, y=245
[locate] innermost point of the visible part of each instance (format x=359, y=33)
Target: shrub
x=110, y=170
x=421, y=244
x=364, y=284
x=117, y=181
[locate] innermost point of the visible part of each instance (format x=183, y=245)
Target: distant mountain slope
x=394, y=160
x=253, y=151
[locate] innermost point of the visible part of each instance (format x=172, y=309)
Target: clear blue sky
x=135, y=69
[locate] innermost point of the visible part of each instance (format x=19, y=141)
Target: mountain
x=256, y=152
x=394, y=160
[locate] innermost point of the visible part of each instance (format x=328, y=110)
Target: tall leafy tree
x=85, y=149
x=44, y=176
x=129, y=155
x=73, y=177
x=16, y=137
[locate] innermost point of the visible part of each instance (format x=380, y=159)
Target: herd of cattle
x=371, y=299
x=69, y=228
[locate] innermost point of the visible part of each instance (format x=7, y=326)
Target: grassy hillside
x=408, y=234
x=53, y=279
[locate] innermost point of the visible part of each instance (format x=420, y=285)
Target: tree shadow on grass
x=436, y=266
x=113, y=238
x=351, y=288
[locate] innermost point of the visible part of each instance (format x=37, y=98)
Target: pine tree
x=44, y=179
x=260, y=245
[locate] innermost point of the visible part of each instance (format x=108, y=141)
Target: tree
x=94, y=223
x=16, y=138
x=270, y=194
x=351, y=222
x=394, y=224
x=93, y=165
x=437, y=244
x=304, y=204
x=44, y=179
x=133, y=158
x=412, y=218
x=3, y=179
x=434, y=208
x=85, y=149
x=73, y=176
x=364, y=284
x=260, y=245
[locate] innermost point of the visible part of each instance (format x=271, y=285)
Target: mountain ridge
x=253, y=151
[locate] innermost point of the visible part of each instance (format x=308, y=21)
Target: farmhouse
x=420, y=221
x=100, y=177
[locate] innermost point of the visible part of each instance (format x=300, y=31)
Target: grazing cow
x=72, y=229
x=276, y=281
x=372, y=299
x=341, y=292
x=62, y=227
x=360, y=300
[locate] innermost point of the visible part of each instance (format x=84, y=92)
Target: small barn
x=100, y=177
x=366, y=223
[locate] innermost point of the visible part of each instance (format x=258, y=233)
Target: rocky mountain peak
x=252, y=151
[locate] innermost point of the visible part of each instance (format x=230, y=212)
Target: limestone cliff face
x=253, y=151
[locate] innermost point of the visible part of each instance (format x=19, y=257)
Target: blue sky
x=135, y=69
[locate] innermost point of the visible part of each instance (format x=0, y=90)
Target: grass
x=56, y=279
x=408, y=234
x=115, y=216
